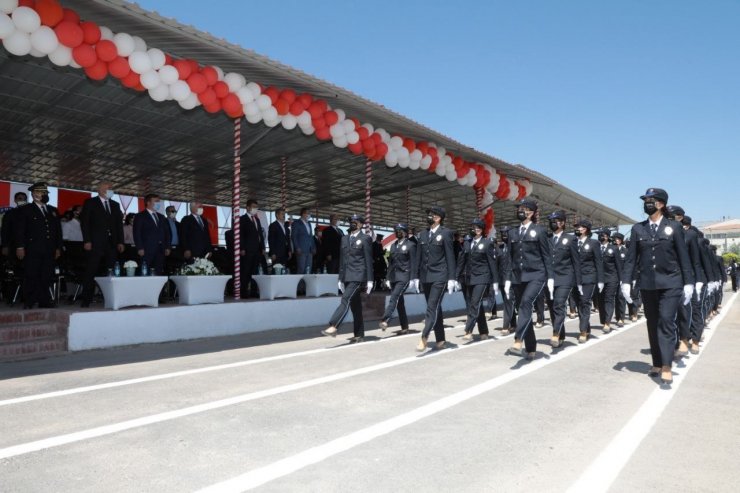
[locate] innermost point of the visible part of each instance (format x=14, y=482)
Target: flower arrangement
x=201, y=267
x=130, y=264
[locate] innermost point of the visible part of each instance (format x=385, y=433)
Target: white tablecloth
x=271, y=287
x=318, y=284
x=119, y=292
x=195, y=290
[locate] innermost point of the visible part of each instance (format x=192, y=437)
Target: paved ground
x=282, y=411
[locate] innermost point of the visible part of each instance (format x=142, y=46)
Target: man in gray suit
x=303, y=244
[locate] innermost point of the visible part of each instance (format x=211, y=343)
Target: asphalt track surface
x=295, y=411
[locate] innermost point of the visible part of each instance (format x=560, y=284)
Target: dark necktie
x=200, y=223
x=554, y=240
x=522, y=230
x=107, y=207
x=154, y=216
x=654, y=228
x=603, y=248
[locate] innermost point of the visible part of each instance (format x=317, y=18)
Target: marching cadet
x=612, y=280
x=686, y=312
x=658, y=250
x=38, y=243
x=355, y=273
x=504, y=258
x=477, y=270
x=714, y=280
x=402, y=268
x=592, y=276
x=531, y=270
x=436, y=272
x=620, y=310
x=719, y=291
x=566, y=271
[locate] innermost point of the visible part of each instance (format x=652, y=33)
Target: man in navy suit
x=278, y=239
x=252, y=243
x=304, y=246
x=195, y=240
x=152, y=234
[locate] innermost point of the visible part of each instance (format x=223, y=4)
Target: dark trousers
x=434, y=292
x=474, y=300
x=620, y=310
x=540, y=307
x=99, y=260
x=332, y=266
x=698, y=315
x=661, y=308
x=584, y=307
x=509, y=313
x=350, y=301
x=734, y=283
x=607, y=300
x=248, y=266
x=558, y=305
x=492, y=302
x=155, y=261
x=683, y=320
x=38, y=270
x=572, y=305
x=396, y=302
x=526, y=294
x=634, y=307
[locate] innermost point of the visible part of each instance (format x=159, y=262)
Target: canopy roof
x=60, y=127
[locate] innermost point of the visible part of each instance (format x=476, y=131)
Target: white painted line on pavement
x=289, y=465
x=605, y=469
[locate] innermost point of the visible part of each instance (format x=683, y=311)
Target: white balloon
x=289, y=122
x=307, y=130
x=6, y=26
x=403, y=162
x=150, y=79
x=337, y=130
x=341, y=115
x=18, y=43
x=140, y=62
x=264, y=102
x=189, y=104
x=416, y=155
x=396, y=142
x=157, y=58
x=62, y=56
x=272, y=122
x=192, y=99
x=254, y=88
x=8, y=6
x=403, y=153
x=106, y=33
x=270, y=114
x=254, y=118
x=451, y=175
x=180, y=91
x=349, y=126
x=74, y=64
x=426, y=161
x=139, y=44
x=234, y=81
x=353, y=138
x=124, y=44
x=36, y=53
x=440, y=170
x=44, y=40
x=304, y=119
x=168, y=74
x=219, y=72
x=26, y=19
x=245, y=95
x=340, y=141
x=159, y=93
x=462, y=181
x=414, y=165
x=391, y=159
x=369, y=127
x=424, y=165
x=251, y=109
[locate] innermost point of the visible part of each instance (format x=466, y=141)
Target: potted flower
x=278, y=269
x=130, y=268
x=200, y=282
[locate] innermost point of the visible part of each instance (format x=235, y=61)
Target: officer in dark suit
x=504, y=258
x=658, y=249
x=714, y=280
x=402, y=268
x=152, y=235
x=698, y=301
x=612, y=280
x=7, y=232
x=355, y=275
x=38, y=243
x=620, y=309
x=196, y=239
x=723, y=278
x=278, y=239
x=436, y=273
x=477, y=270
x=101, y=222
x=592, y=276
x=252, y=241
x=331, y=238
x=175, y=259
x=531, y=271
x=566, y=271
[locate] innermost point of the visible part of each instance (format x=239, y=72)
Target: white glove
x=551, y=287
x=507, y=288
x=451, y=287
x=697, y=290
x=458, y=287
x=369, y=286
x=415, y=285
x=688, y=292
x=634, y=283
x=495, y=289
x=580, y=289
x=626, y=292
x=601, y=286
x=341, y=286
x=387, y=284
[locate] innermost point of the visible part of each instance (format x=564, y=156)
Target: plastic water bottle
x=117, y=269
x=144, y=268
x=323, y=270
x=259, y=270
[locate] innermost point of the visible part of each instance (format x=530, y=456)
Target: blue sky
x=608, y=98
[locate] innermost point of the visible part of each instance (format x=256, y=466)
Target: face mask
x=253, y=211
x=110, y=194
x=45, y=198
x=199, y=211
x=521, y=215
x=472, y=233
x=353, y=227
x=603, y=239
x=554, y=225
x=308, y=218
x=157, y=206
x=649, y=208
x=400, y=234
x=171, y=215
x=578, y=234
x=430, y=220
x=504, y=238
x=21, y=202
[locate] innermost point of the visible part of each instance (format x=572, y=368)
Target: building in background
x=725, y=234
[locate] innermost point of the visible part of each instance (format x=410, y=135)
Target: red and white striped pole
x=284, y=182
x=368, y=210
x=479, y=201
x=235, y=204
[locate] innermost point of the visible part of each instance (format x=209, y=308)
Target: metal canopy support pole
x=284, y=182
x=408, y=204
x=368, y=188
x=235, y=204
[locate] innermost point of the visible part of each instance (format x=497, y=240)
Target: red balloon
x=194, y=67
x=85, y=55
x=50, y=12
x=214, y=107
x=381, y=150
x=184, y=69
x=305, y=99
x=423, y=147
x=26, y=3
x=119, y=68
x=235, y=113
x=356, y=122
x=323, y=133
x=71, y=15
x=69, y=34
x=272, y=93
x=168, y=59
x=132, y=80
x=323, y=106
x=221, y=89
x=355, y=148
x=282, y=107
x=198, y=83
x=364, y=134
x=296, y=108
x=232, y=105
x=522, y=192
x=207, y=97
x=315, y=110
x=210, y=74
x=460, y=173
x=376, y=138
x=409, y=144
x=368, y=145
x=106, y=50
x=288, y=95
x=318, y=123
x=369, y=153
x=99, y=71
x=91, y=32
x=331, y=117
